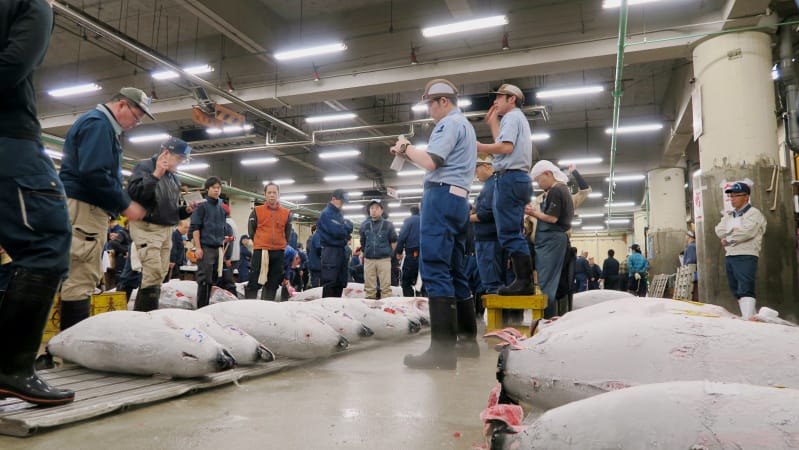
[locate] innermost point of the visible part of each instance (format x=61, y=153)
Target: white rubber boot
x=747, y=305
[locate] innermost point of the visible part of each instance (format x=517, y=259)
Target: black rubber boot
x=203, y=294
x=147, y=299
x=73, y=311
x=523, y=284
x=250, y=294
x=443, y=335
x=479, y=308
x=23, y=315
x=467, y=346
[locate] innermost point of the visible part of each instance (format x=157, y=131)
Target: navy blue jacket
x=209, y=218
x=25, y=28
x=409, y=234
x=90, y=167
x=486, y=228
x=288, y=257
x=178, y=253
x=333, y=229
x=582, y=266
x=610, y=268
x=377, y=237
x=315, y=253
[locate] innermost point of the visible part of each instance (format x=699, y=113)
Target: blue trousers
x=444, y=218
x=741, y=275
x=410, y=271
x=34, y=220
x=473, y=275
x=491, y=265
x=581, y=280
x=511, y=194
x=550, y=246
x=335, y=271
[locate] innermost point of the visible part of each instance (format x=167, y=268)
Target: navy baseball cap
x=177, y=146
x=737, y=188
x=340, y=194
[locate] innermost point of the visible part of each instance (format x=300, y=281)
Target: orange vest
x=270, y=232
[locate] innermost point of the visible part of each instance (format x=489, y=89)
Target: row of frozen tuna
x=184, y=343
x=631, y=373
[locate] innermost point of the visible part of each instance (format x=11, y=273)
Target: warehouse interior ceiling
x=380, y=77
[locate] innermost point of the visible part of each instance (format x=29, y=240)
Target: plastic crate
x=100, y=303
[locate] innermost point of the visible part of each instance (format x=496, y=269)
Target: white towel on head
x=546, y=166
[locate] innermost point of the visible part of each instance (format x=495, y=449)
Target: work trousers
x=444, y=218
x=550, y=246
x=410, y=271
x=512, y=192
x=274, y=275
x=491, y=264
x=741, y=275
x=374, y=270
x=334, y=271
x=89, y=228
x=153, y=243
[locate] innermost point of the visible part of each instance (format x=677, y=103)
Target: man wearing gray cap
x=513, y=156
x=92, y=177
x=155, y=186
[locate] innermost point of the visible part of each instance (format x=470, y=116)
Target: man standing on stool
x=270, y=228
x=513, y=156
x=741, y=232
x=449, y=161
x=334, y=232
x=156, y=187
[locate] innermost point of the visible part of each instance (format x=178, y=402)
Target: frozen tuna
x=592, y=297
x=344, y=324
x=385, y=324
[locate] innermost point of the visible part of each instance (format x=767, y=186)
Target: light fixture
x=289, y=197
x=170, y=74
x=620, y=204
x=595, y=195
x=539, y=136
x=279, y=181
x=464, y=103
x=310, y=51
x=569, y=92
x=354, y=194
x=213, y=131
x=576, y=222
x=593, y=228
x=258, y=161
x=590, y=215
x=339, y=154
x=579, y=161
x=350, y=207
x=505, y=43
x=74, y=90
x=419, y=107
x=395, y=204
x=148, y=138
x=126, y=172
x=340, y=178
x=193, y=166
x=636, y=128
x=410, y=191
x=411, y=173
x=617, y=221
x=399, y=215
x=466, y=25
x=229, y=129
x=330, y=117
x=637, y=177
x=608, y=4
x=53, y=154
x=355, y=216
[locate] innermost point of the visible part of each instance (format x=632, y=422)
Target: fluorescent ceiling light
x=330, y=117
x=280, y=181
x=126, y=172
x=355, y=216
x=193, y=166
x=230, y=129
x=74, y=90
x=213, y=131
x=419, y=107
x=53, y=154
x=617, y=221
x=593, y=228
x=258, y=161
x=310, y=51
x=148, y=138
x=569, y=92
x=355, y=194
x=399, y=215
x=636, y=128
x=466, y=25
x=340, y=178
x=464, y=102
x=395, y=204
x=170, y=74
x=607, y=4
x=339, y=154
x=590, y=215
x=539, y=136
x=411, y=173
x=350, y=207
x=638, y=177
x=620, y=204
x=595, y=195
x=577, y=222
x=293, y=197
x=410, y=191
x=579, y=161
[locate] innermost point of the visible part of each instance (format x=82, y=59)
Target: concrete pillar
x=640, y=223
x=738, y=141
x=666, y=218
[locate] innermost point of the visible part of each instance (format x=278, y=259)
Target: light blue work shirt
x=454, y=140
x=515, y=128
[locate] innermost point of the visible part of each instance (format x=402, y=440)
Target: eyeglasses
x=138, y=117
x=737, y=195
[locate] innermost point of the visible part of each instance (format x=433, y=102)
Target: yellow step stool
x=495, y=304
x=100, y=303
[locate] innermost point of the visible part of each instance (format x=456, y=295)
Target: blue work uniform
x=490, y=255
x=333, y=231
x=512, y=182
x=445, y=207
x=408, y=243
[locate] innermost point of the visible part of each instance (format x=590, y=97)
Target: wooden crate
x=495, y=304
x=100, y=303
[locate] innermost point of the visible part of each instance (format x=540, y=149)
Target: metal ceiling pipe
x=618, y=91
x=789, y=80
x=94, y=25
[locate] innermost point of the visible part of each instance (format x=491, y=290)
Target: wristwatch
x=403, y=148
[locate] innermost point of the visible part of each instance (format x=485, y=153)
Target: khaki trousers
x=374, y=269
x=89, y=235
x=153, y=242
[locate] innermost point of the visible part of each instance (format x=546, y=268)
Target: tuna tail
x=225, y=360
x=264, y=354
x=365, y=331
x=414, y=326
x=343, y=344
x=502, y=363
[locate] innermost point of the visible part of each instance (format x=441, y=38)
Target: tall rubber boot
x=523, y=284
x=147, y=299
x=467, y=346
x=479, y=307
x=250, y=294
x=203, y=294
x=443, y=335
x=73, y=311
x=23, y=315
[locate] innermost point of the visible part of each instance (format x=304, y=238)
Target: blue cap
x=177, y=146
x=340, y=194
x=737, y=188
